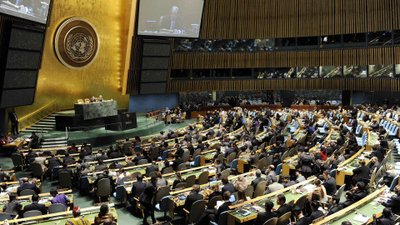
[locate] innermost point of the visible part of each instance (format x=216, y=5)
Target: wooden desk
x=234, y=216
x=366, y=207
x=62, y=217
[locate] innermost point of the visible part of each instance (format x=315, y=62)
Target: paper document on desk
x=361, y=218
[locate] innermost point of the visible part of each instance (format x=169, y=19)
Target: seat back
x=186, y=156
x=284, y=219
x=168, y=170
x=104, y=187
x=17, y=160
x=197, y=211
x=249, y=191
x=271, y=221
x=203, y=177
x=260, y=188
x=27, y=192
x=230, y=157
x=161, y=193
x=37, y=170
x=181, y=167
x=301, y=201
x=225, y=173
x=181, y=185
x=213, y=201
x=394, y=183
x=58, y=207
x=32, y=213
x=262, y=164
x=223, y=218
x=190, y=180
x=196, y=153
x=340, y=191
x=120, y=194
x=65, y=179
x=142, y=161
x=278, y=169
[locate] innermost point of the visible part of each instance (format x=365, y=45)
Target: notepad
x=361, y=218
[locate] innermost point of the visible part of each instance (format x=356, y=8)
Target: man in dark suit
x=283, y=207
x=35, y=205
x=329, y=183
x=361, y=173
x=193, y=197
x=262, y=217
x=257, y=180
x=138, y=186
x=227, y=186
x=26, y=185
x=173, y=21
x=394, y=201
x=14, y=122
x=34, y=142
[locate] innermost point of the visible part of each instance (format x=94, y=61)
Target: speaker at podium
x=122, y=121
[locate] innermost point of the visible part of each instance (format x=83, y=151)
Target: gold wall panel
x=105, y=76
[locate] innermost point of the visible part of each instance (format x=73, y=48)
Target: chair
x=121, y=195
x=190, y=180
x=301, y=201
x=65, y=179
x=234, y=165
x=278, y=169
x=262, y=164
x=27, y=192
x=84, y=186
x=249, y=191
x=332, y=173
x=32, y=213
x=221, y=157
x=142, y=161
x=186, y=156
x=196, y=212
x=339, y=192
x=103, y=188
x=213, y=201
x=271, y=221
x=163, y=206
x=58, y=207
x=17, y=160
x=196, y=153
x=37, y=170
x=394, y=183
x=161, y=193
x=181, y=167
x=223, y=218
x=284, y=219
x=230, y=158
x=260, y=189
x=203, y=177
x=181, y=185
x=225, y=173
x=197, y=161
x=167, y=170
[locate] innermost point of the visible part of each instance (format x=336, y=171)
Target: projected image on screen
x=34, y=10
x=172, y=18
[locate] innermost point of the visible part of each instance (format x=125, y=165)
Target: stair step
x=43, y=125
x=54, y=142
x=56, y=139
x=46, y=122
x=29, y=130
x=52, y=146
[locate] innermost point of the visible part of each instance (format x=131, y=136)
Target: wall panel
x=372, y=84
x=238, y=19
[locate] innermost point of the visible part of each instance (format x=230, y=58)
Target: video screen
x=34, y=10
x=171, y=18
